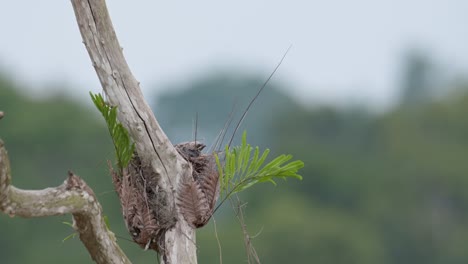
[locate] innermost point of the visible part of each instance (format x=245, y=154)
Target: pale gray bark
x=72, y=197
x=152, y=145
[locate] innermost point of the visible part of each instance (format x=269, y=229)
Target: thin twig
x=249, y=248
x=216, y=146
x=195, y=127
x=219, y=242
x=226, y=127
x=256, y=96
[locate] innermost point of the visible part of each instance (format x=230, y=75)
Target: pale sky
x=343, y=51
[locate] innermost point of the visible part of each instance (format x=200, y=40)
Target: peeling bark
x=72, y=197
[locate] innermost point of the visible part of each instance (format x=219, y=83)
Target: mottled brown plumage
x=145, y=209
x=197, y=194
x=144, y=206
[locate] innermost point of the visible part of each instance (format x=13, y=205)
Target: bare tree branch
x=153, y=147
x=249, y=248
x=74, y=197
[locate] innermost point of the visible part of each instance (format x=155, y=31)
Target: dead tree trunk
x=155, y=155
x=154, y=149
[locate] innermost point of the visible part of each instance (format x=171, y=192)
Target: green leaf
x=68, y=224
x=106, y=221
x=254, y=160
x=124, y=149
x=72, y=235
x=221, y=173
x=241, y=172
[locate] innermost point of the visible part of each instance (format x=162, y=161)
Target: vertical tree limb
x=122, y=90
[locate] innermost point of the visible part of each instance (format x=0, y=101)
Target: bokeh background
x=373, y=97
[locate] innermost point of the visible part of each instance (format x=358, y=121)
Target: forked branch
x=157, y=157
x=72, y=197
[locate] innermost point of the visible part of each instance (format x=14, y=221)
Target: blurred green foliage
x=377, y=188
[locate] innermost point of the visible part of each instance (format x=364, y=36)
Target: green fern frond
x=124, y=148
x=242, y=170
